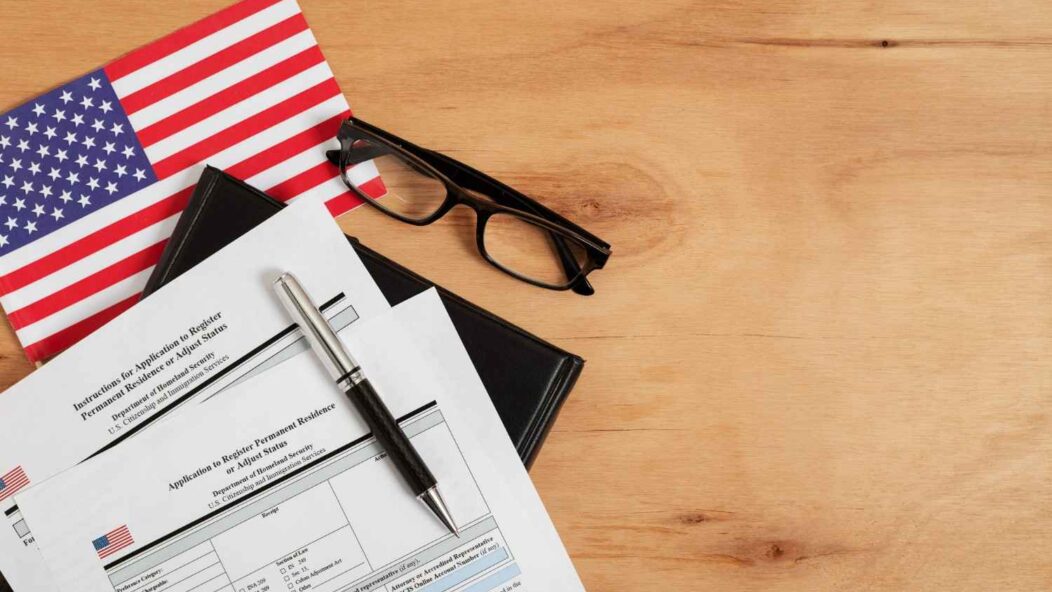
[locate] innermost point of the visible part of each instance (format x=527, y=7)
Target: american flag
x=14, y=480
x=113, y=541
x=94, y=174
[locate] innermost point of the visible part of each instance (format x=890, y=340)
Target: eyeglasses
x=514, y=233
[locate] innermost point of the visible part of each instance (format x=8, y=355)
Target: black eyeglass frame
x=459, y=180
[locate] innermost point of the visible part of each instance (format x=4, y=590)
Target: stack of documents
x=192, y=445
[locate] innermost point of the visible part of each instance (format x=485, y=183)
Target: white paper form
x=275, y=486
x=207, y=329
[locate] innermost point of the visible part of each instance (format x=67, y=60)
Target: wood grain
x=819, y=357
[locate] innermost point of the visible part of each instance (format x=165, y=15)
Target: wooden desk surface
x=819, y=358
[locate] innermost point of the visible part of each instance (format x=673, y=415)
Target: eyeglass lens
x=529, y=250
x=407, y=190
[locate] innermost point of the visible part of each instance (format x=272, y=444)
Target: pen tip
x=433, y=500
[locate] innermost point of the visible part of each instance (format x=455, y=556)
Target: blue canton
x=100, y=543
x=63, y=156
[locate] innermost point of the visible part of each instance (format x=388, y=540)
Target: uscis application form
x=276, y=486
x=209, y=328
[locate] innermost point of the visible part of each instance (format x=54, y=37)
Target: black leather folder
x=527, y=378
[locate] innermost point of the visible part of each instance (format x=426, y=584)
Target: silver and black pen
x=351, y=380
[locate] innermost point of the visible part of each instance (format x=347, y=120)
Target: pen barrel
x=391, y=437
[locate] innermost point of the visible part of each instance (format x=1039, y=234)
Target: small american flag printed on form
x=12, y=481
x=94, y=174
x=113, y=541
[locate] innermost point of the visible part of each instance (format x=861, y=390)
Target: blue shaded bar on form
x=450, y=581
x=490, y=582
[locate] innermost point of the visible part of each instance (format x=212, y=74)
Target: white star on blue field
x=64, y=155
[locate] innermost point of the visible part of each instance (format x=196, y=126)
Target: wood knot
x=772, y=552
x=782, y=551
x=590, y=207
x=888, y=43
x=694, y=518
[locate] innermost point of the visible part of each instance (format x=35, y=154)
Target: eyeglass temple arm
x=571, y=267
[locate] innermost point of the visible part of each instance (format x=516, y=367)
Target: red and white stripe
x=118, y=539
x=14, y=480
x=246, y=90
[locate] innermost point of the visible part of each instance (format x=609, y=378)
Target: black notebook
x=527, y=378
